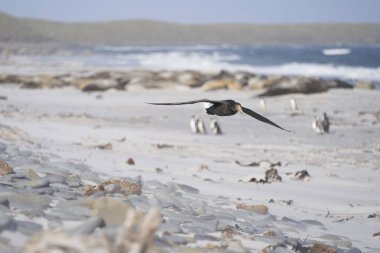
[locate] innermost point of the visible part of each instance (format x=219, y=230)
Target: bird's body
x=215, y=127
x=225, y=108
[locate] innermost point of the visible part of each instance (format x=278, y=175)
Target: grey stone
x=43, y=190
x=27, y=227
x=225, y=216
x=354, y=250
x=207, y=217
x=4, y=201
x=166, y=200
x=176, y=240
x=199, y=206
x=3, y=147
x=185, y=188
x=31, y=174
x=43, y=182
x=59, y=187
x=7, y=180
x=65, y=195
x=204, y=237
x=113, y=188
x=171, y=227
x=312, y=222
x=28, y=201
x=58, y=179
x=200, y=228
x=88, y=226
x=6, y=222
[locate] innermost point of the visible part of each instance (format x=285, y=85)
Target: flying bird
x=225, y=108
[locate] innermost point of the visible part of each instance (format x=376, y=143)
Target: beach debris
x=5, y=169
x=321, y=125
x=130, y=161
x=287, y=202
x=374, y=215
x=263, y=104
x=215, y=127
x=293, y=104
x=126, y=187
x=89, y=190
x=106, y=146
x=272, y=175
x=158, y=170
x=321, y=248
x=302, y=175
x=255, y=164
x=3, y=97
x=164, y=146
x=377, y=234
x=260, y=209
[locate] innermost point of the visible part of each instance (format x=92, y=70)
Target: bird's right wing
x=188, y=102
x=261, y=118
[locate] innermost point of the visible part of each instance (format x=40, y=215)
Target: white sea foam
x=180, y=59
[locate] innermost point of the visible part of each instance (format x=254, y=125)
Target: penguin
x=325, y=123
x=293, y=104
x=194, y=124
x=201, y=127
x=317, y=126
x=263, y=104
x=215, y=128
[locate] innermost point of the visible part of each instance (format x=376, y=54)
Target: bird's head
x=238, y=108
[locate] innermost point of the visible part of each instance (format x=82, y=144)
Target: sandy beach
x=337, y=205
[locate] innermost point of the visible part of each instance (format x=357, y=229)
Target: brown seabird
x=225, y=108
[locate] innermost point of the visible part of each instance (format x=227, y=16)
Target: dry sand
x=344, y=165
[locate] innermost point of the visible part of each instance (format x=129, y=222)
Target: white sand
x=344, y=165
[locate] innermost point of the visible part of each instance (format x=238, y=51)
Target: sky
x=199, y=11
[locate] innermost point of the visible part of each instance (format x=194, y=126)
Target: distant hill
x=137, y=32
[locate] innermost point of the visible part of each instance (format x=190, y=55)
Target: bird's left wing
x=261, y=118
x=188, y=102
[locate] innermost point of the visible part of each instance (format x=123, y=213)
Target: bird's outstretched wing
x=261, y=118
x=189, y=102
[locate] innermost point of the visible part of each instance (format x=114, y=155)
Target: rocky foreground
x=51, y=205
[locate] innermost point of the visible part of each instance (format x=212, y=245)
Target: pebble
x=31, y=174
x=88, y=226
x=111, y=210
x=171, y=226
x=42, y=182
x=27, y=227
x=6, y=221
x=29, y=201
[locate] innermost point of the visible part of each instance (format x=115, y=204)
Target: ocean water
x=349, y=62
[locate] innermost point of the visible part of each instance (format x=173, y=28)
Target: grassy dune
x=21, y=30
